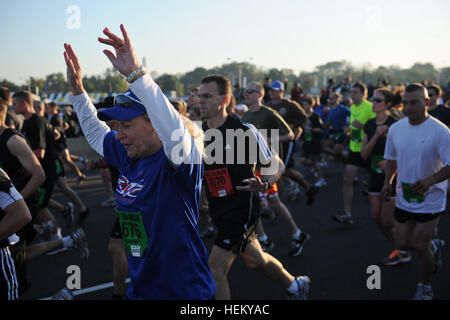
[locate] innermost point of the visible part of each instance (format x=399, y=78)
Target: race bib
x=356, y=135
x=411, y=196
x=374, y=163
x=219, y=182
x=133, y=232
x=308, y=136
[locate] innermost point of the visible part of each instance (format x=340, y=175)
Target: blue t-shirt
x=338, y=117
x=175, y=265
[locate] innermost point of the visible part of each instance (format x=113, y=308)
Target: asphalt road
x=336, y=258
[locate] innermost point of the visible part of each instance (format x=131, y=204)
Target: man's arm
x=255, y=184
x=16, y=211
x=424, y=185
x=20, y=149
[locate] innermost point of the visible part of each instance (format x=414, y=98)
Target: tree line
x=240, y=72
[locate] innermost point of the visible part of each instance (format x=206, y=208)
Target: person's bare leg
x=220, y=261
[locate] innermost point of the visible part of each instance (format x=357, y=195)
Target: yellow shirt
x=362, y=112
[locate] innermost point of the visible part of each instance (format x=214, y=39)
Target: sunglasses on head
x=125, y=101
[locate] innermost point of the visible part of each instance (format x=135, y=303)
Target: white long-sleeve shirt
x=171, y=129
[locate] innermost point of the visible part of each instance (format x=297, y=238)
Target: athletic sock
x=293, y=288
x=262, y=238
x=297, y=234
x=424, y=286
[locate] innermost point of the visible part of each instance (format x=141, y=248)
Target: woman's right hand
x=74, y=75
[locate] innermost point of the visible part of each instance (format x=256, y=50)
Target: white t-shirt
x=420, y=151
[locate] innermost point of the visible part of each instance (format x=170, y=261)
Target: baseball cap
x=126, y=107
x=277, y=85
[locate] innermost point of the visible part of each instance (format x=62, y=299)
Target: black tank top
x=8, y=162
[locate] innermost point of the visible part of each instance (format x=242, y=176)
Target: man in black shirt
x=41, y=139
x=439, y=111
x=61, y=146
x=231, y=188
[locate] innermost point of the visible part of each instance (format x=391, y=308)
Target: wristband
x=264, y=180
x=132, y=76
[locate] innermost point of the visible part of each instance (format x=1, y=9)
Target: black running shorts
x=403, y=216
x=235, y=231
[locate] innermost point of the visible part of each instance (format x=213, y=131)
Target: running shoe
x=294, y=193
x=84, y=161
x=68, y=215
x=63, y=294
x=46, y=230
x=343, y=218
x=423, y=293
x=310, y=195
x=397, y=257
x=438, y=254
x=80, y=242
x=297, y=244
x=323, y=164
x=320, y=183
x=83, y=216
x=81, y=179
x=303, y=289
x=267, y=245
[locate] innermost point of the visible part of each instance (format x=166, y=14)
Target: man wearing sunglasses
x=439, y=111
x=295, y=116
x=266, y=118
x=160, y=179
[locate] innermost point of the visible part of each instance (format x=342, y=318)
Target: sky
x=176, y=36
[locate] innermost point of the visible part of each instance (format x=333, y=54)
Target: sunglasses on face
x=250, y=91
x=377, y=100
x=125, y=101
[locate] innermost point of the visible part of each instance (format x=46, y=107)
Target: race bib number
x=133, y=232
x=219, y=182
x=411, y=196
x=356, y=135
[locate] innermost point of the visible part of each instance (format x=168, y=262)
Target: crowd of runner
x=150, y=149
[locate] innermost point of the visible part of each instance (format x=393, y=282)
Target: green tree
x=56, y=82
x=169, y=82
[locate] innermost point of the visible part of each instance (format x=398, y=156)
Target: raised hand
x=74, y=75
x=124, y=60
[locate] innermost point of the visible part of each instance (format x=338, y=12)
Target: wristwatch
x=132, y=76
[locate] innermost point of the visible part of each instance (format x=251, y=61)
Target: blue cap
x=126, y=107
x=277, y=85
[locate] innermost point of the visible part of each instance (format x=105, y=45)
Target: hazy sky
x=177, y=36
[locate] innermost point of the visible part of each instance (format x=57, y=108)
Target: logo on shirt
x=127, y=189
